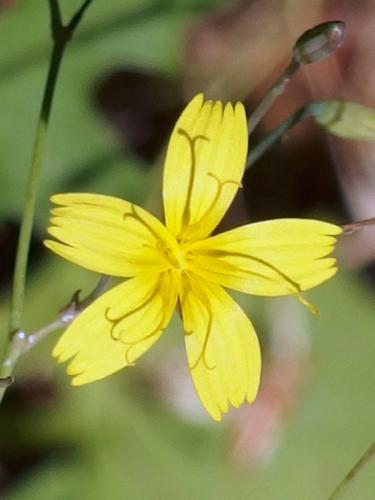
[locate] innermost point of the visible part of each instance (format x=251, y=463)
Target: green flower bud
x=346, y=119
x=319, y=42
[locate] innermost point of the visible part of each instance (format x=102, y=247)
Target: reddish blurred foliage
x=258, y=427
x=5, y=4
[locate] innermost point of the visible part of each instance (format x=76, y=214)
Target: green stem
x=19, y=279
x=275, y=91
x=6, y=382
x=276, y=134
x=354, y=471
x=22, y=343
x=61, y=36
x=312, y=46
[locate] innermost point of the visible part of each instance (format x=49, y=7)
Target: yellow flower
x=179, y=264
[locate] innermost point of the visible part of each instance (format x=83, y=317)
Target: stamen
x=313, y=309
x=191, y=141
x=295, y=287
x=160, y=328
x=133, y=215
x=219, y=189
x=146, y=301
x=202, y=354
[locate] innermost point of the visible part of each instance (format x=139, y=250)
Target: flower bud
x=346, y=119
x=319, y=42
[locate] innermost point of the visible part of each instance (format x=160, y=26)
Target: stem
x=61, y=36
x=277, y=89
x=276, y=134
x=19, y=278
x=354, y=226
x=22, y=343
x=354, y=471
x=5, y=382
x=312, y=46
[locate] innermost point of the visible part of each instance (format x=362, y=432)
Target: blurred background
x=142, y=433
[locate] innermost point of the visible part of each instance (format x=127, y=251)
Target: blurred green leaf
x=143, y=33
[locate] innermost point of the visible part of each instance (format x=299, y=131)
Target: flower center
x=176, y=257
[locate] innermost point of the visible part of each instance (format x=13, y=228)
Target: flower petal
x=222, y=347
x=107, y=235
x=118, y=327
x=279, y=257
x=204, y=166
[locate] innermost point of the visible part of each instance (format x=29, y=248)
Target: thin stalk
x=364, y=460
x=16, y=339
x=6, y=382
x=312, y=46
x=276, y=134
x=21, y=342
x=275, y=91
x=355, y=226
x=19, y=279
x=61, y=36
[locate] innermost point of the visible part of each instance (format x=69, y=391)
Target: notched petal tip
x=61, y=355
x=79, y=380
x=47, y=243
x=60, y=198
x=251, y=397
x=216, y=416
x=239, y=108
x=195, y=103
x=332, y=229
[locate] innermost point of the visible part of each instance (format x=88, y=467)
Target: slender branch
x=61, y=35
x=39, y=335
x=21, y=342
x=55, y=15
x=354, y=226
x=77, y=17
x=32, y=184
x=276, y=90
x=67, y=314
x=276, y=134
x=312, y=46
x=364, y=460
x=6, y=382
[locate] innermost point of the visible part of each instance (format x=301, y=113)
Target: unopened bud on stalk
x=319, y=42
x=346, y=119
